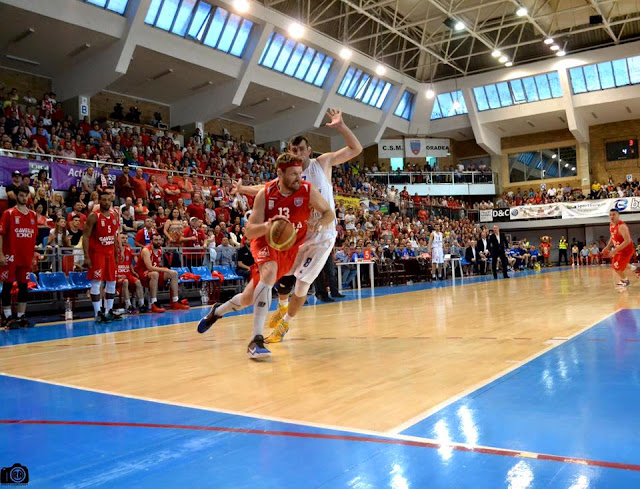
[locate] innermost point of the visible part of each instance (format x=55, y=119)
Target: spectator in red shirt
x=171, y=190
x=139, y=185
x=196, y=208
x=144, y=235
x=141, y=211
x=222, y=213
x=77, y=211
x=124, y=186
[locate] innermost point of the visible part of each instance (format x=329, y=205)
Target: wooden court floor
x=370, y=364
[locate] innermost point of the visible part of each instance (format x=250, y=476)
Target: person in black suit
x=482, y=250
x=471, y=255
x=497, y=246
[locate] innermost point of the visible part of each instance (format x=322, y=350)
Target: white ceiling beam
x=101, y=69
x=605, y=21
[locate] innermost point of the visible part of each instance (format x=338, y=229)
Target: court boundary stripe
x=476, y=387
x=416, y=442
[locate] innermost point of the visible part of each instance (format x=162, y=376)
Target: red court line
x=322, y=436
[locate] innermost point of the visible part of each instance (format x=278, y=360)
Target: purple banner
x=8, y=166
x=62, y=175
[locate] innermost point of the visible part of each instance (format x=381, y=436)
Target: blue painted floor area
x=63, y=456
x=88, y=327
x=580, y=399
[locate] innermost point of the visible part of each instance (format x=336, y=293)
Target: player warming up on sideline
x=315, y=253
x=18, y=230
x=99, y=245
x=287, y=198
x=621, y=246
x=152, y=273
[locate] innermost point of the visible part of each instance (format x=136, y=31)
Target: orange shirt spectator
x=139, y=185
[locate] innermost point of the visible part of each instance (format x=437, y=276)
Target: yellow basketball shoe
x=277, y=335
x=278, y=315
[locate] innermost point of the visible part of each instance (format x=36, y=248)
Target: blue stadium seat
x=131, y=242
x=33, y=278
x=79, y=280
x=54, y=281
x=205, y=274
x=227, y=272
x=180, y=271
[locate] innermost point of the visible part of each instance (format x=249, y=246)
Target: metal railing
x=433, y=178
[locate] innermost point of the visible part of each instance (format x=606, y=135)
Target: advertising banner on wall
x=543, y=211
x=486, y=215
x=423, y=147
x=587, y=208
x=391, y=148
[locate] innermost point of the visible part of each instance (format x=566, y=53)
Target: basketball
x=282, y=235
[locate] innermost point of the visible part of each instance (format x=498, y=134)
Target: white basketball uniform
x=313, y=253
x=437, y=252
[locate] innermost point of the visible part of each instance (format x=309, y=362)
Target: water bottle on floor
x=204, y=295
x=68, y=310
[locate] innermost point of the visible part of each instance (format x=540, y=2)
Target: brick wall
x=319, y=144
x=103, y=102
x=23, y=82
x=540, y=139
x=616, y=131
x=236, y=129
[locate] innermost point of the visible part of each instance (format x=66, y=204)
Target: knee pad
x=302, y=288
x=285, y=284
x=23, y=292
x=95, y=287
x=110, y=287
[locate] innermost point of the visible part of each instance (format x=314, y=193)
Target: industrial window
x=448, y=105
x=519, y=91
x=405, y=106
x=117, y=6
x=602, y=76
x=358, y=85
x=195, y=19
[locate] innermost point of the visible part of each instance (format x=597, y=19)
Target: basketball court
x=526, y=382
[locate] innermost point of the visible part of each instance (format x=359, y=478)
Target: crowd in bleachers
x=183, y=190
x=564, y=192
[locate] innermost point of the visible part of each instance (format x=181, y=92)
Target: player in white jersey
x=314, y=253
x=436, y=245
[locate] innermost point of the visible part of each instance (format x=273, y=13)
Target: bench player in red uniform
x=621, y=246
x=99, y=245
x=127, y=278
x=152, y=274
x=288, y=198
x=18, y=231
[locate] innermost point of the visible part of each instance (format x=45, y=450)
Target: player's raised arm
x=238, y=188
x=318, y=202
x=351, y=150
x=86, y=236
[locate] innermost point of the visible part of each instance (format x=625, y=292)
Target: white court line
x=429, y=412
x=223, y=411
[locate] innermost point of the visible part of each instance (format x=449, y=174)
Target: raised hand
x=336, y=118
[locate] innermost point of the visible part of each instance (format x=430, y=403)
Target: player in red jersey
x=287, y=198
x=127, y=277
x=99, y=244
x=152, y=273
x=621, y=246
x=18, y=231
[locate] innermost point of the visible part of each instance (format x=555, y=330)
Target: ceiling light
x=509, y=64
x=521, y=12
x=296, y=31
x=459, y=26
x=566, y=165
x=554, y=156
x=22, y=60
x=561, y=53
x=503, y=59
x=241, y=6
x=163, y=74
x=430, y=94
x=548, y=40
x=555, y=47
x=345, y=53
x=573, y=168
x=496, y=53
x=380, y=70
